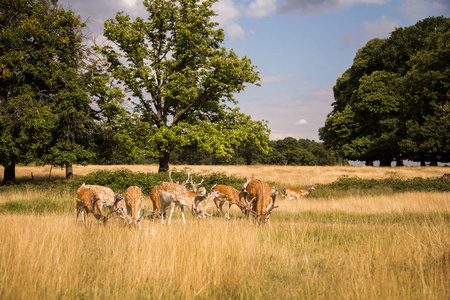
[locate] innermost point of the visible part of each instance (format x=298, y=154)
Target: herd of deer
x=256, y=198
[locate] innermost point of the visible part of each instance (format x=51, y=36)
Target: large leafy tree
x=392, y=102
x=182, y=81
x=44, y=112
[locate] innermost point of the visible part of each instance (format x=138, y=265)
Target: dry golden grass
x=53, y=257
x=413, y=202
x=378, y=247
x=296, y=176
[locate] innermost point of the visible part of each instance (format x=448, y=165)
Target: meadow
x=381, y=245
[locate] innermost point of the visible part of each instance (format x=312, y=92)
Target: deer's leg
x=182, y=213
x=172, y=208
x=227, y=215
x=222, y=214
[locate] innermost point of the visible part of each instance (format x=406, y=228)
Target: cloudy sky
x=300, y=48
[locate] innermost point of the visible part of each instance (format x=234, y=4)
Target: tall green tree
x=428, y=99
x=392, y=102
x=182, y=81
x=43, y=108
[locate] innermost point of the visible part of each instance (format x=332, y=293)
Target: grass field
x=394, y=246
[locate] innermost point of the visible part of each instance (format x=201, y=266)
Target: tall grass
x=347, y=248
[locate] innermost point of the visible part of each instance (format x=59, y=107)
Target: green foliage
x=173, y=64
x=121, y=179
x=302, y=152
x=44, y=111
x=346, y=185
x=392, y=103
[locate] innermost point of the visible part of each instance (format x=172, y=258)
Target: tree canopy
x=44, y=110
x=181, y=80
x=393, y=102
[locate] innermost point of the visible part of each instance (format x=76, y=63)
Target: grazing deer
x=198, y=197
x=203, y=206
x=133, y=200
x=228, y=196
x=107, y=196
x=294, y=193
x=259, y=199
x=174, y=195
x=154, y=197
x=88, y=201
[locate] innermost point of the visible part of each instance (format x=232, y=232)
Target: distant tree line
x=286, y=152
x=393, y=103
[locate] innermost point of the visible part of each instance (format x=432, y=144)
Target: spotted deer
x=107, y=196
x=154, y=197
x=203, y=206
x=88, y=201
x=295, y=193
x=174, y=195
x=199, y=196
x=228, y=196
x=259, y=199
x=133, y=200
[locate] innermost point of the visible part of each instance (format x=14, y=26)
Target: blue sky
x=300, y=48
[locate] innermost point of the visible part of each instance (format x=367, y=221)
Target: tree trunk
x=9, y=175
x=69, y=171
x=164, y=162
x=369, y=163
x=422, y=163
x=385, y=162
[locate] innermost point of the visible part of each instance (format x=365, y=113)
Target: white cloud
x=414, y=9
x=301, y=122
x=261, y=8
x=267, y=79
x=312, y=7
x=380, y=28
x=227, y=16
x=419, y=9
x=129, y=3
x=235, y=32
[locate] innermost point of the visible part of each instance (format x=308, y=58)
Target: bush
x=121, y=179
x=346, y=185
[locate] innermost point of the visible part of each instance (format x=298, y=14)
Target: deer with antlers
x=259, y=199
x=107, y=197
x=173, y=194
x=133, y=200
x=88, y=201
x=295, y=193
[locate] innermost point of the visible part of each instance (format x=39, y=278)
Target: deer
x=107, y=197
x=173, y=194
x=198, y=197
x=228, y=196
x=202, y=207
x=259, y=199
x=133, y=200
x=88, y=201
x=295, y=193
x=154, y=197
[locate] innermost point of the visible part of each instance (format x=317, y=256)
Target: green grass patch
x=40, y=205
